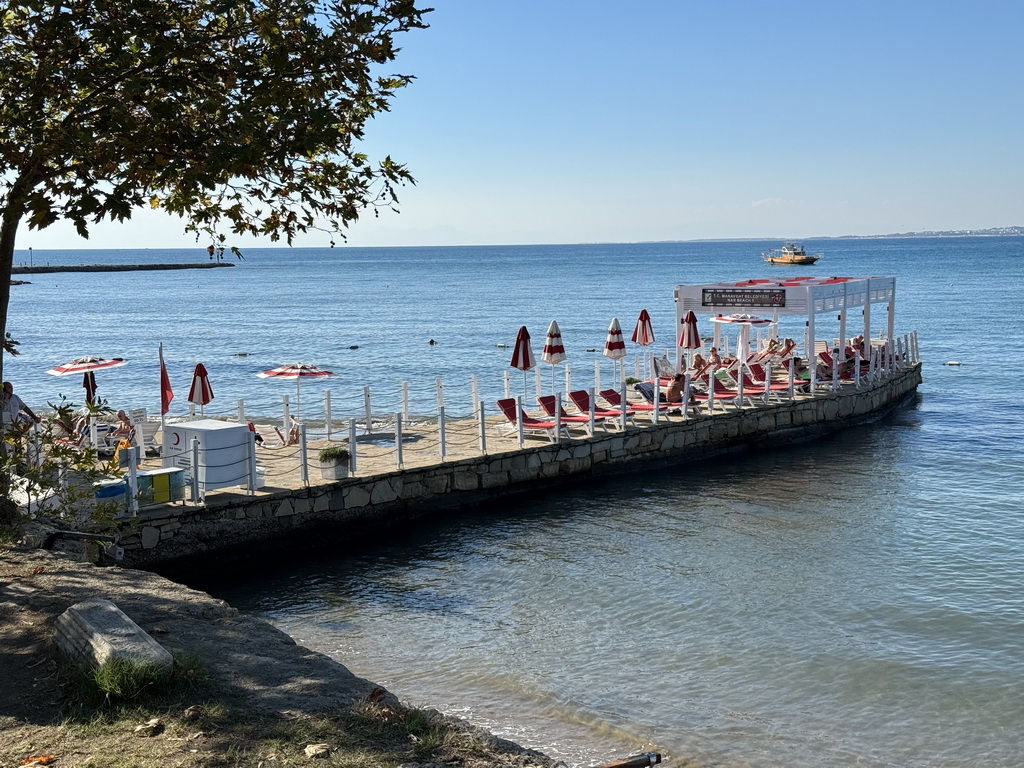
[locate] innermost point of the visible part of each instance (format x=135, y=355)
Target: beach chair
x=547, y=404
x=511, y=410
x=646, y=390
x=581, y=399
x=614, y=400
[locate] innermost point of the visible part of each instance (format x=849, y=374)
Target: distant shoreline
x=111, y=268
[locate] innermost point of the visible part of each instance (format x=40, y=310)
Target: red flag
x=166, y=395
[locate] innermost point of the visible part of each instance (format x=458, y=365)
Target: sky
x=572, y=121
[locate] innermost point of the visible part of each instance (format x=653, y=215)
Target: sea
x=853, y=601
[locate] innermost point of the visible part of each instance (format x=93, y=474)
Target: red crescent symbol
x=176, y=438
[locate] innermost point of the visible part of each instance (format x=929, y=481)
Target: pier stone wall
x=358, y=505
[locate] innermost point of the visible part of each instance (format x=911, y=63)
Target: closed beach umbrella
x=522, y=354
x=690, y=339
x=201, y=391
x=554, y=351
x=297, y=371
x=643, y=333
x=89, y=382
x=744, y=322
x=614, y=346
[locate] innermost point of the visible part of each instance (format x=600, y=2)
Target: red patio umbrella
x=643, y=333
x=297, y=371
x=201, y=391
x=690, y=339
x=554, y=351
x=522, y=354
x=614, y=346
x=86, y=366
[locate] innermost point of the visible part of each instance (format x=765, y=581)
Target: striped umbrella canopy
x=554, y=351
x=690, y=339
x=643, y=334
x=86, y=364
x=614, y=346
x=298, y=372
x=201, y=391
x=522, y=354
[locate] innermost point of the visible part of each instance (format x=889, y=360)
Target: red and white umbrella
x=690, y=339
x=643, y=334
x=201, y=391
x=522, y=354
x=297, y=371
x=86, y=366
x=614, y=346
x=554, y=351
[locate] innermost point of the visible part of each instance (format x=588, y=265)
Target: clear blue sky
x=563, y=121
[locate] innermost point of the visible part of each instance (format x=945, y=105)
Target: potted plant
x=334, y=462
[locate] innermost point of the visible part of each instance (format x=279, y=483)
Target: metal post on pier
x=519, y=420
x=241, y=411
x=303, y=456
x=440, y=431
x=405, y=400
x=483, y=429
x=352, y=445
x=327, y=413
x=398, y=439
x=367, y=411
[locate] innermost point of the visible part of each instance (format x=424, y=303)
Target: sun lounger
x=581, y=399
x=614, y=399
x=547, y=404
x=511, y=410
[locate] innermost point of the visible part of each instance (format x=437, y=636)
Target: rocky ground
x=259, y=669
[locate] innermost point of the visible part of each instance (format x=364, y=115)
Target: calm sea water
x=855, y=601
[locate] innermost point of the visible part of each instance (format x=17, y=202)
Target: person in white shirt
x=12, y=406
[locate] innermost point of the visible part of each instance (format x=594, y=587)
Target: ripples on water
x=853, y=601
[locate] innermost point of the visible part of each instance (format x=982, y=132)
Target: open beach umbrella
x=297, y=371
x=643, y=333
x=690, y=339
x=614, y=346
x=554, y=351
x=744, y=322
x=86, y=366
x=201, y=392
x=522, y=354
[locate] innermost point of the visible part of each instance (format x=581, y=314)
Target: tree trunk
x=12, y=213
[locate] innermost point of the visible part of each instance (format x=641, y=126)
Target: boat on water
x=790, y=253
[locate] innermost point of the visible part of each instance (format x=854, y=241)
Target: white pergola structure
x=804, y=296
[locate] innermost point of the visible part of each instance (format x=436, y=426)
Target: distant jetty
x=23, y=270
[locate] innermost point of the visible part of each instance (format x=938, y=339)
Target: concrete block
x=96, y=632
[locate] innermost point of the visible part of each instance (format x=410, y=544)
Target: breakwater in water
x=357, y=506
x=51, y=268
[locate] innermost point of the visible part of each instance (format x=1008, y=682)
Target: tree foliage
x=240, y=116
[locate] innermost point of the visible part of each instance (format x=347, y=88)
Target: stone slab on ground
x=96, y=632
